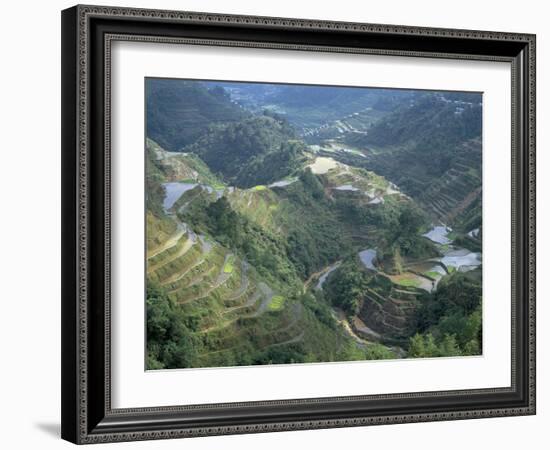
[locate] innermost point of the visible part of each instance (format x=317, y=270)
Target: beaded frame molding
x=87, y=35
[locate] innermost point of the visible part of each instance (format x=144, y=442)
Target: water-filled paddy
x=282, y=183
x=462, y=259
x=367, y=258
x=346, y=187
x=174, y=191
x=439, y=234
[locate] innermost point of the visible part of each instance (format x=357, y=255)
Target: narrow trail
x=337, y=313
x=340, y=317
x=360, y=326
x=318, y=274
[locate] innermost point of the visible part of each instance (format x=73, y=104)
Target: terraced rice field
x=222, y=292
x=322, y=165
x=228, y=266
x=277, y=303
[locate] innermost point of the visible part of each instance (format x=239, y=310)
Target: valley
x=273, y=239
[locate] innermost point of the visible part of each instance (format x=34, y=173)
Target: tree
x=430, y=347
x=346, y=286
x=416, y=346
x=224, y=223
x=456, y=298
x=312, y=184
x=379, y=351
x=397, y=260
x=170, y=344
x=472, y=347
x=459, y=292
x=423, y=346
x=449, y=347
x=411, y=218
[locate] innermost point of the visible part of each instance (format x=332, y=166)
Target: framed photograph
x=281, y=224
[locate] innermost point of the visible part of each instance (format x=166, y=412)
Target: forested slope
x=257, y=150
x=179, y=111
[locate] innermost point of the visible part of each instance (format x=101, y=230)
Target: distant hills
x=432, y=150
x=179, y=111
x=310, y=106
x=246, y=150
x=431, y=120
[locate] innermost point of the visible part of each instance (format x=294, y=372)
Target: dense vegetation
x=314, y=232
x=309, y=106
x=346, y=286
x=429, y=122
x=398, y=224
x=170, y=342
x=431, y=149
x=264, y=250
x=179, y=111
x=254, y=151
x=449, y=322
x=309, y=234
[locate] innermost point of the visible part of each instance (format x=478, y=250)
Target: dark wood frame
x=87, y=31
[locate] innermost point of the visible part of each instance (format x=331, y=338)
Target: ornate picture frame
x=88, y=33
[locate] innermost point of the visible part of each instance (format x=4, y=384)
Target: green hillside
x=253, y=151
x=179, y=111
x=308, y=107
x=226, y=282
x=430, y=148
